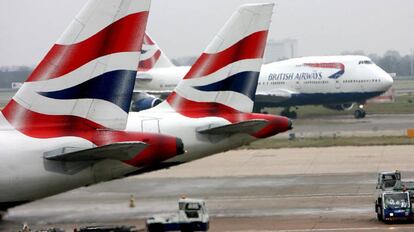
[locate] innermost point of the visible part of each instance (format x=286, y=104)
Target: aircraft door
x=298, y=85
x=337, y=84
x=150, y=125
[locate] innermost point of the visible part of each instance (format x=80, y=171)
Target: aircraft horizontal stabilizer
x=152, y=92
x=144, y=77
x=115, y=151
x=249, y=127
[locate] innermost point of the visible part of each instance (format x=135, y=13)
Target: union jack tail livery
x=226, y=74
x=88, y=75
x=152, y=56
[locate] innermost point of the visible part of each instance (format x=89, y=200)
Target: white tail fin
x=152, y=56
x=89, y=74
x=226, y=74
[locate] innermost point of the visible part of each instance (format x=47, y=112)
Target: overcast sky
x=28, y=28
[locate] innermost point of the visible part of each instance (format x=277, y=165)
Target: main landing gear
x=360, y=112
x=290, y=114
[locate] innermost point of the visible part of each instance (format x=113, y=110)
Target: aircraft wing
x=276, y=95
x=115, y=151
x=250, y=126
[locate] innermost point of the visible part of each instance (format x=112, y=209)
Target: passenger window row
x=365, y=62
x=362, y=81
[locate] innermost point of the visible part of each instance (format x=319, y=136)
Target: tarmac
x=348, y=126
x=292, y=190
x=289, y=190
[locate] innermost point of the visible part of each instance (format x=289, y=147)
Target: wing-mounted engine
x=144, y=101
x=340, y=107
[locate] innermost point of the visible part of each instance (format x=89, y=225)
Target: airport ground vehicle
x=192, y=215
x=394, y=197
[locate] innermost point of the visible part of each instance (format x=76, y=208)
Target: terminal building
x=281, y=50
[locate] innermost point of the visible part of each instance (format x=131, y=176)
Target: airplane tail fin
x=226, y=74
x=152, y=56
x=88, y=76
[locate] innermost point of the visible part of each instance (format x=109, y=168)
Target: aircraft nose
x=387, y=81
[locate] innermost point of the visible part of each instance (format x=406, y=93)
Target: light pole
x=412, y=62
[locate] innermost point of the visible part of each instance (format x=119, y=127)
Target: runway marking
x=311, y=196
x=345, y=229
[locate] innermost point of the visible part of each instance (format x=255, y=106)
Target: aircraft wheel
x=293, y=115
x=284, y=113
x=359, y=113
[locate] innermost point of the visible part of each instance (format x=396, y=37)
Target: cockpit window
x=365, y=62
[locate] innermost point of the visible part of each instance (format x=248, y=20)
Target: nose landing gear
x=360, y=112
x=290, y=114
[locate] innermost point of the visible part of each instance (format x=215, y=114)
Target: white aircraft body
x=210, y=108
x=333, y=81
x=65, y=127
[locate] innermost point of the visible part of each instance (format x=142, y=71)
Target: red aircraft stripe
x=121, y=36
x=326, y=65
x=148, y=40
x=43, y=126
x=145, y=65
x=39, y=125
x=251, y=47
x=193, y=109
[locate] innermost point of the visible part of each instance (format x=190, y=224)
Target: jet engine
x=144, y=101
x=340, y=107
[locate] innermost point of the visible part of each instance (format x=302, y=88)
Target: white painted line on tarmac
x=345, y=229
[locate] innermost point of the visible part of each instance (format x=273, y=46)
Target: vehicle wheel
x=196, y=226
x=157, y=227
x=379, y=217
x=379, y=214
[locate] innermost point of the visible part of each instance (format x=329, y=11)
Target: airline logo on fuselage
x=310, y=75
x=336, y=75
x=295, y=76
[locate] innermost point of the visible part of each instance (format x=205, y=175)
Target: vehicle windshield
x=193, y=206
x=396, y=200
x=389, y=180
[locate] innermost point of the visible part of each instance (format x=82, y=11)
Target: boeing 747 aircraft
x=336, y=82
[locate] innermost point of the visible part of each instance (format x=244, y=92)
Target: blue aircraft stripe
x=318, y=99
x=115, y=86
x=243, y=82
x=337, y=74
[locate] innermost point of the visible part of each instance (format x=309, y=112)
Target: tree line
x=391, y=62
